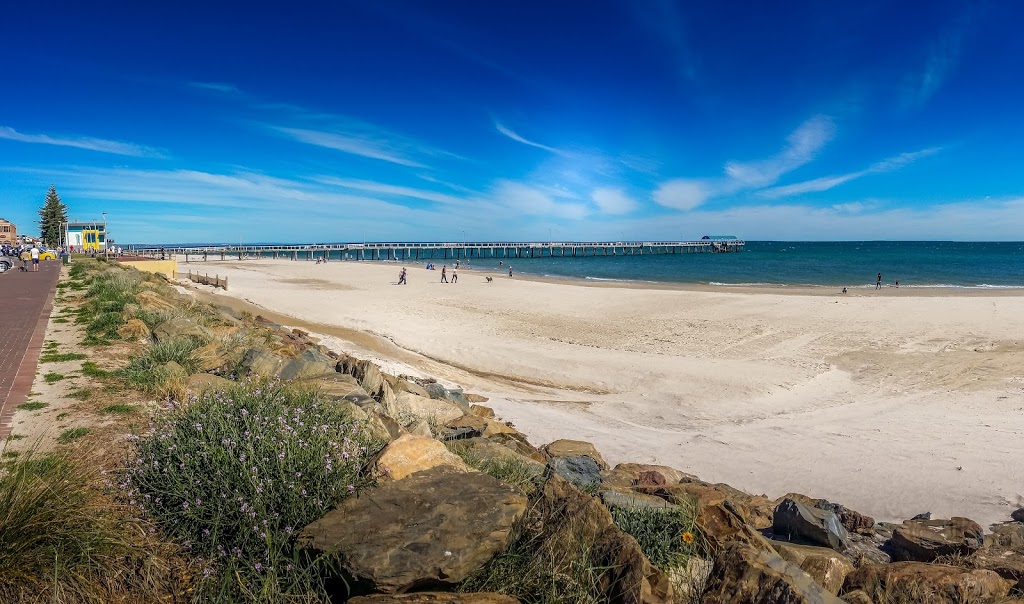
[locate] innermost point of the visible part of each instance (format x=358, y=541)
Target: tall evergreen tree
x=52, y=216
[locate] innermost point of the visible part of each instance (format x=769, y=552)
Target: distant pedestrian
x=401, y=277
x=878, y=282
x=510, y=270
x=897, y=283
x=444, y=274
x=35, y=258
x=455, y=276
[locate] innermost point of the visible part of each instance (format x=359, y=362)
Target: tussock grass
x=82, y=394
x=61, y=357
x=91, y=369
x=150, y=371
x=512, y=471
x=120, y=409
x=53, y=377
x=236, y=475
x=33, y=406
x=59, y=543
x=667, y=536
x=72, y=434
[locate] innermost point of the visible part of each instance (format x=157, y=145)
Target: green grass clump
x=82, y=394
x=109, y=292
x=120, y=409
x=58, y=542
x=32, y=406
x=61, y=320
x=236, y=475
x=668, y=536
x=13, y=436
x=53, y=377
x=61, y=357
x=510, y=470
x=72, y=434
x=148, y=370
x=91, y=369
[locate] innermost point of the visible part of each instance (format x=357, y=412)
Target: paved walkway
x=25, y=303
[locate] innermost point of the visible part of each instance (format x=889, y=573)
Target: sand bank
x=892, y=402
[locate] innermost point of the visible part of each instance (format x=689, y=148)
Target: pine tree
x=52, y=216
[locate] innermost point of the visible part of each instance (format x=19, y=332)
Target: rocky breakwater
x=467, y=509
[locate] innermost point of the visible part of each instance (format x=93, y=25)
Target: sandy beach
x=892, y=402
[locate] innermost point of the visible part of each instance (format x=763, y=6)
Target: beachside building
x=8, y=233
x=85, y=236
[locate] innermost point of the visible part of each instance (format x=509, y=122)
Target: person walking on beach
x=455, y=276
x=401, y=277
x=878, y=283
x=444, y=274
x=510, y=270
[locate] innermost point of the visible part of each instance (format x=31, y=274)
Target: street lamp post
x=106, y=247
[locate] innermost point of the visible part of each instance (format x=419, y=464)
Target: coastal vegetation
x=215, y=457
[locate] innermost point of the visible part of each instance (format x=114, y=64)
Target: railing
x=204, y=279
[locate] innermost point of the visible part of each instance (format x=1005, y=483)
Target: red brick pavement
x=25, y=303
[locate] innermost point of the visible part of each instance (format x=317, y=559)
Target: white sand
x=890, y=402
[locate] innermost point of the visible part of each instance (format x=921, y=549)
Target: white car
x=5, y=264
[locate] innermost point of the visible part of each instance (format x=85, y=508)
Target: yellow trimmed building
x=86, y=236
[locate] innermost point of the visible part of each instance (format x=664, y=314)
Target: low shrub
x=668, y=536
x=109, y=292
x=91, y=369
x=53, y=377
x=234, y=476
x=149, y=370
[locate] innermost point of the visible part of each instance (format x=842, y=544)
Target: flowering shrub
x=236, y=475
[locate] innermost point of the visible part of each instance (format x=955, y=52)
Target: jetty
x=412, y=251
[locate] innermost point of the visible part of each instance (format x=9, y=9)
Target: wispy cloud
x=221, y=87
x=943, y=56
x=828, y=182
x=520, y=198
x=519, y=139
x=802, y=147
x=351, y=143
x=82, y=142
x=611, y=200
x=389, y=189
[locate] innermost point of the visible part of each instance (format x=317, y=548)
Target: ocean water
x=833, y=264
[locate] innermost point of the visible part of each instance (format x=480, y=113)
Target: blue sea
x=781, y=263
x=777, y=263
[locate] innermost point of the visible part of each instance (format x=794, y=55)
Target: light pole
x=106, y=247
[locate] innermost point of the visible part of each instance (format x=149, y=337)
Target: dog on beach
x=489, y=279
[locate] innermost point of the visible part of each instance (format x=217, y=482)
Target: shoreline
x=871, y=400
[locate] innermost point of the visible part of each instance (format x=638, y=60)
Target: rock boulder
x=795, y=521
x=575, y=448
x=744, y=574
x=926, y=540
x=580, y=470
x=826, y=566
x=919, y=582
x=409, y=454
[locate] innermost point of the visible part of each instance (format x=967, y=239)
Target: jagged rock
x=926, y=540
x=216, y=357
x=409, y=454
x=757, y=511
x=369, y=377
x=180, y=327
x=826, y=566
x=574, y=448
x=923, y=516
x=719, y=524
x=795, y=521
x=404, y=385
x=420, y=427
x=1007, y=563
x=434, y=597
x=518, y=443
x=561, y=515
x=338, y=386
x=388, y=399
x=744, y=574
x=136, y=330
x=482, y=411
x=438, y=411
x=207, y=382
x=581, y=470
x=1008, y=534
x=382, y=427
x=615, y=499
x=1018, y=515
x=310, y=362
x=260, y=361
x=456, y=396
x=150, y=300
x=627, y=475
x=414, y=532
x=476, y=398
x=851, y=520
x=467, y=426
x=917, y=582
x=435, y=390
x=865, y=549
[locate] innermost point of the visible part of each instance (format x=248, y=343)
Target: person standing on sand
x=878, y=283
x=510, y=270
x=444, y=274
x=455, y=275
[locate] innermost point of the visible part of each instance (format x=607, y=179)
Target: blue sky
x=349, y=121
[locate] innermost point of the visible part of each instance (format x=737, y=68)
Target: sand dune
x=892, y=402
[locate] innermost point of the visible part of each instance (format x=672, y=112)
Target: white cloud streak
x=82, y=142
x=353, y=144
x=221, y=87
x=519, y=139
x=611, y=200
x=828, y=182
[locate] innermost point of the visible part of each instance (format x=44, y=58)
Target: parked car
x=6, y=263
